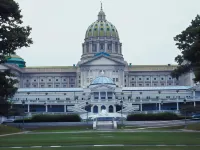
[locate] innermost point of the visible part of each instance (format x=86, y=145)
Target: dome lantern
x=101, y=15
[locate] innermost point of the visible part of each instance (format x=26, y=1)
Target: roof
x=152, y=67
x=156, y=88
x=102, y=80
x=51, y=69
x=50, y=90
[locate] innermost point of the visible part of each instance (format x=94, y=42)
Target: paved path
x=14, y=133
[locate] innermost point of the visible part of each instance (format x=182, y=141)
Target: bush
x=150, y=117
x=51, y=118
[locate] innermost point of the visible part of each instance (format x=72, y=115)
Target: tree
x=13, y=36
x=188, y=42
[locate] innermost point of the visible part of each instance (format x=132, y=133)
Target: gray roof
x=102, y=80
x=156, y=88
x=50, y=90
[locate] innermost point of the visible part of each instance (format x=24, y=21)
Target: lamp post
x=121, y=103
x=184, y=101
x=23, y=103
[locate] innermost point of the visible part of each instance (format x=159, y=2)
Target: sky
x=146, y=28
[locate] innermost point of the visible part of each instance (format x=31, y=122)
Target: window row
x=155, y=84
x=50, y=86
x=50, y=80
x=153, y=78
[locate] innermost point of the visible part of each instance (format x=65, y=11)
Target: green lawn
x=7, y=130
x=100, y=138
x=195, y=126
x=112, y=148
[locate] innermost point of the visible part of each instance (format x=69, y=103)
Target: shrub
x=52, y=118
x=150, y=117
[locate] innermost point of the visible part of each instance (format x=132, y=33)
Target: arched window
x=103, y=107
x=95, y=109
x=111, y=110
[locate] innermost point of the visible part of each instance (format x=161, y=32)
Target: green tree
x=188, y=42
x=13, y=36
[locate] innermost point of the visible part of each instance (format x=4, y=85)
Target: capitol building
x=101, y=80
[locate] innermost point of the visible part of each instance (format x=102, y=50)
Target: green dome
x=17, y=60
x=101, y=28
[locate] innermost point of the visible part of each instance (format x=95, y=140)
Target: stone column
x=194, y=104
x=90, y=47
x=194, y=94
x=106, y=96
x=98, y=49
x=65, y=110
x=177, y=106
x=159, y=107
x=46, y=108
x=28, y=108
x=99, y=108
x=113, y=47
x=106, y=46
x=141, y=109
x=99, y=96
x=119, y=49
x=114, y=108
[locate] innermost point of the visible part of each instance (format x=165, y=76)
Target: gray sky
x=146, y=28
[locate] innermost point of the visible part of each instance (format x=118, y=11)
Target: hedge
x=51, y=118
x=150, y=117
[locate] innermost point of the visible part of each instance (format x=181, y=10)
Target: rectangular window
x=110, y=47
x=49, y=86
x=133, y=79
x=94, y=47
x=57, y=86
x=147, y=78
x=117, y=79
x=133, y=84
x=42, y=86
x=116, y=47
x=140, y=84
x=113, y=79
x=101, y=46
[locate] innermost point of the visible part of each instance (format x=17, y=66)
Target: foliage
x=190, y=109
x=7, y=129
x=52, y=118
x=188, y=42
x=13, y=36
x=158, y=116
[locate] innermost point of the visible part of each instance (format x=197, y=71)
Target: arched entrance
x=103, y=107
x=110, y=109
x=95, y=109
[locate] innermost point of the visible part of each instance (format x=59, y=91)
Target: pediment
x=101, y=61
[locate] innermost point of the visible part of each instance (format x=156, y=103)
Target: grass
x=100, y=138
x=7, y=129
x=113, y=148
x=62, y=129
x=195, y=126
